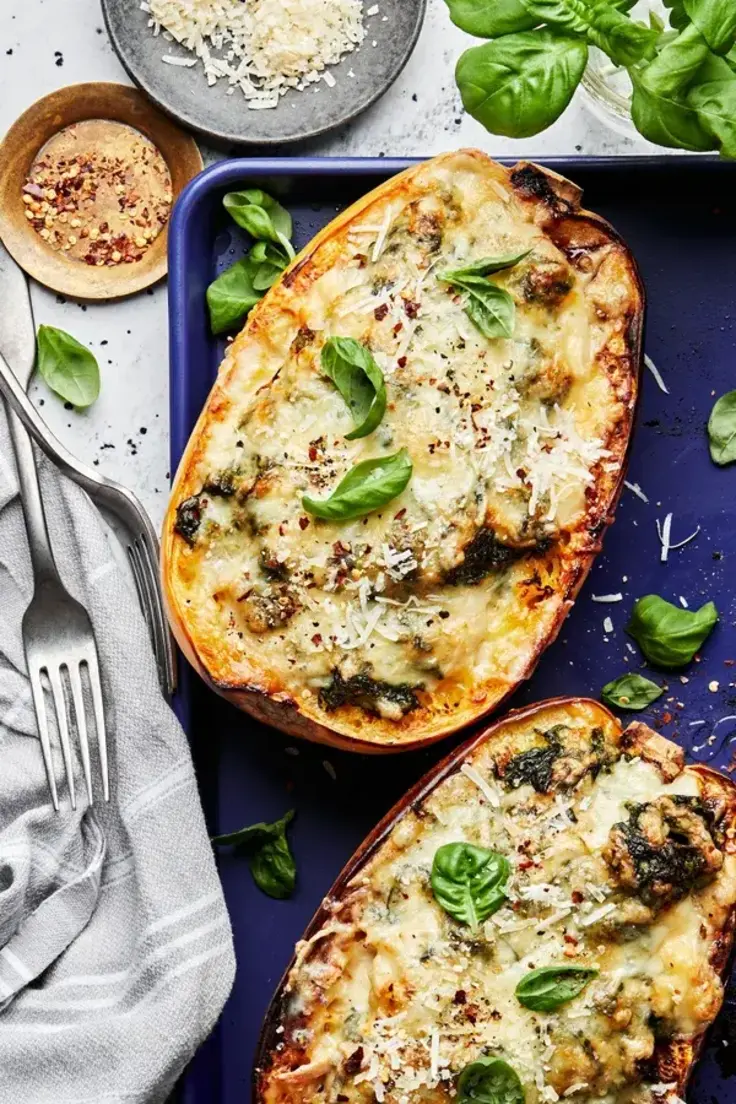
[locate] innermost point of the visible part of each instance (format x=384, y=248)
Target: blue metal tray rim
x=210, y=1080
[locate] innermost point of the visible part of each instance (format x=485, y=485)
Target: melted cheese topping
x=401, y=997
x=519, y=436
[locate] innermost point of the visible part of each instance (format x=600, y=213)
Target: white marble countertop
x=45, y=44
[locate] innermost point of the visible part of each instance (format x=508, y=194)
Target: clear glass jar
x=607, y=86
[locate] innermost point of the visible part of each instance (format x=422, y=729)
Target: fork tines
x=64, y=680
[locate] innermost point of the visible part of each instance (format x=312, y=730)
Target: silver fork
x=139, y=536
x=59, y=643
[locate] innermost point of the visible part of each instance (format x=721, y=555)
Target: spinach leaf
x=262, y=216
x=722, y=429
x=670, y=636
x=547, y=988
x=469, y=881
x=659, y=107
x=715, y=104
x=604, y=26
x=231, y=296
x=359, y=380
x=631, y=692
x=365, y=488
x=484, y=267
x=489, y=1081
x=520, y=84
x=490, y=20
x=716, y=21
x=270, y=859
x=489, y=308
x=268, y=261
x=69, y=368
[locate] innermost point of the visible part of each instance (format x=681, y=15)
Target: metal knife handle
x=39, y=544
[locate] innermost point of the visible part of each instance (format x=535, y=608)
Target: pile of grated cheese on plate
x=263, y=47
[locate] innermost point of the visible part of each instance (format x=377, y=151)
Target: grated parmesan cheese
x=263, y=47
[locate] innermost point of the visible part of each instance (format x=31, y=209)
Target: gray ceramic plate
x=184, y=93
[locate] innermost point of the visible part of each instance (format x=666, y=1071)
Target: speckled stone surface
x=220, y=111
x=47, y=43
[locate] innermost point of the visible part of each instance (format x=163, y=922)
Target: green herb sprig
x=469, y=881
x=69, y=368
x=267, y=849
x=548, y=987
x=683, y=76
x=667, y=635
x=366, y=487
x=490, y=308
x=631, y=691
x=354, y=372
x=490, y=1081
x=232, y=295
x=722, y=427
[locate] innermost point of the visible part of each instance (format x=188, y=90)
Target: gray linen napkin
x=116, y=952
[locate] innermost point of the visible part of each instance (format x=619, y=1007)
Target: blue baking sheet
x=679, y=217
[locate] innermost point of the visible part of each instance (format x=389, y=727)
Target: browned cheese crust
x=621, y=859
x=392, y=630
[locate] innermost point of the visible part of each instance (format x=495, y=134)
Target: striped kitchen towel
x=116, y=953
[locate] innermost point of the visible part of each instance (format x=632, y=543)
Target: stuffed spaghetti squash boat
x=405, y=468
x=546, y=916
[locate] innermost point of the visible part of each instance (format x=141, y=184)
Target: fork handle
x=39, y=543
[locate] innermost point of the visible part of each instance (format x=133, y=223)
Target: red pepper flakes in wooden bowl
x=100, y=192
x=88, y=177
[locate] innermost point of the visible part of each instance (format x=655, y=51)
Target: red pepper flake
x=400, y=514
x=460, y=997
x=398, y=327
x=317, y=639
x=667, y=717
x=401, y=362
x=411, y=308
x=577, y=897
x=380, y=312
x=303, y=522
x=312, y=453
x=282, y=528
x=570, y=938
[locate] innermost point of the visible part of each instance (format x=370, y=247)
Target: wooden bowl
x=77, y=103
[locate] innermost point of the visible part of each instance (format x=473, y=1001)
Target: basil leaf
x=273, y=868
x=622, y=39
x=489, y=308
x=715, y=104
x=631, y=692
x=722, y=429
x=716, y=21
x=268, y=261
x=484, y=267
x=545, y=989
x=490, y=20
x=262, y=216
x=231, y=296
x=366, y=487
x=469, y=881
x=359, y=380
x=69, y=368
x=520, y=84
x=489, y=1081
x=659, y=107
x=270, y=859
x=670, y=636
